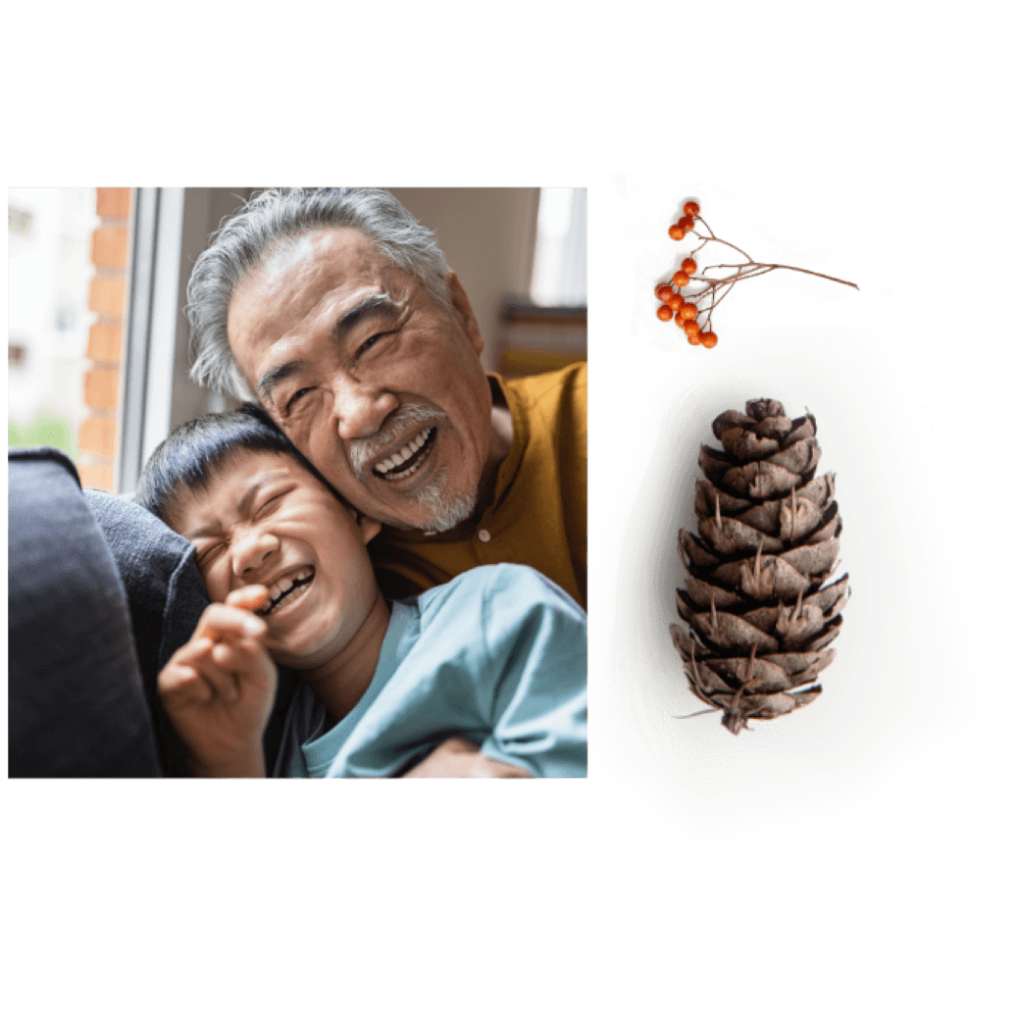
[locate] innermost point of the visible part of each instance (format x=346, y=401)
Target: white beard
x=445, y=511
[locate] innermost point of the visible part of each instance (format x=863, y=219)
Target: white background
x=936, y=260
x=937, y=268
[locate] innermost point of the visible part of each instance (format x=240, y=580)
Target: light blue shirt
x=498, y=656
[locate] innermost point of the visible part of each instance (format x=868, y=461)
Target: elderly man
x=335, y=310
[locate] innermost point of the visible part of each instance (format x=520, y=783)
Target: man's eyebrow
x=274, y=377
x=380, y=302
x=243, y=506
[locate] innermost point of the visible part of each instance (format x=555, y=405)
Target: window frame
x=169, y=228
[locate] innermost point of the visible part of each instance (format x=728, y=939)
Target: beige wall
x=488, y=236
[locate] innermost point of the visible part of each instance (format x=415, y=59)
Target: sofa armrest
x=76, y=701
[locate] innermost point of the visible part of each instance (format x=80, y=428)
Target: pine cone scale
x=799, y=458
x=813, y=559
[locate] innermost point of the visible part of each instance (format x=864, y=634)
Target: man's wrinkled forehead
x=349, y=250
x=298, y=273
x=281, y=255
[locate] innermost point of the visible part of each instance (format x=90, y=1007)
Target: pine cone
x=758, y=613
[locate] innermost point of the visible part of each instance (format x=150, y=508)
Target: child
x=495, y=657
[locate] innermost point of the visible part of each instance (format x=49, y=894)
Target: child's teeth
x=283, y=587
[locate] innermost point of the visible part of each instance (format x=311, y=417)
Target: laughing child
x=496, y=657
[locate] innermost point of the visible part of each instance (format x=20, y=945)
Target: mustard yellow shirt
x=539, y=512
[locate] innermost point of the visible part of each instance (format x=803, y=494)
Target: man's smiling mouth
x=406, y=462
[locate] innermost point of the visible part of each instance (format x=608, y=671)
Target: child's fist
x=218, y=688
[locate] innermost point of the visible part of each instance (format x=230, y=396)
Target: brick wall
x=97, y=437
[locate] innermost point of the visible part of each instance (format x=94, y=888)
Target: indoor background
x=98, y=343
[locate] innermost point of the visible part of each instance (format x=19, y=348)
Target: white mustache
x=364, y=452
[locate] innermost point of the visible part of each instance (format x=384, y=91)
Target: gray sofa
x=101, y=593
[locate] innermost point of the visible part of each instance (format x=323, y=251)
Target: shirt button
x=484, y=536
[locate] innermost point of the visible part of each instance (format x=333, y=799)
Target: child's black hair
x=193, y=450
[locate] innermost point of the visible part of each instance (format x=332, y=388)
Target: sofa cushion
x=166, y=596
x=76, y=703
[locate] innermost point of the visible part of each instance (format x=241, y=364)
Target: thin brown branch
x=714, y=283
x=782, y=266
x=715, y=301
x=721, y=241
x=753, y=271
x=716, y=289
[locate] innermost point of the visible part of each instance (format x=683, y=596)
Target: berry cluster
x=693, y=310
x=675, y=305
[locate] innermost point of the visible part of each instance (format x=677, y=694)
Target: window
x=98, y=347
x=548, y=329
x=560, y=274
x=62, y=248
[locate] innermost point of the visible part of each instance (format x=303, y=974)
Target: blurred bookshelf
x=535, y=338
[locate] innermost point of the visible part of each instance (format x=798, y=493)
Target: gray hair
x=245, y=238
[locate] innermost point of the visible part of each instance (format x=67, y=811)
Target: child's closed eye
x=204, y=555
x=269, y=505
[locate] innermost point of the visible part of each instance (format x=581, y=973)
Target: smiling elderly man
x=336, y=311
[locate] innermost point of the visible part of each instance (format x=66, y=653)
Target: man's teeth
x=400, y=458
x=285, y=586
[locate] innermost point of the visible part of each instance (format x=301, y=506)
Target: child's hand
x=218, y=688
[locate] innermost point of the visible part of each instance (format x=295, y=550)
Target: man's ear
x=464, y=312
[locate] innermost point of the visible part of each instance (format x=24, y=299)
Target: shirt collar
x=510, y=466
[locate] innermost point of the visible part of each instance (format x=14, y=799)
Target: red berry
x=663, y=292
x=686, y=223
x=680, y=279
x=689, y=266
x=692, y=209
x=688, y=311
x=665, y=313
x=709, y=340
x=691, y=327
x=676, y=232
